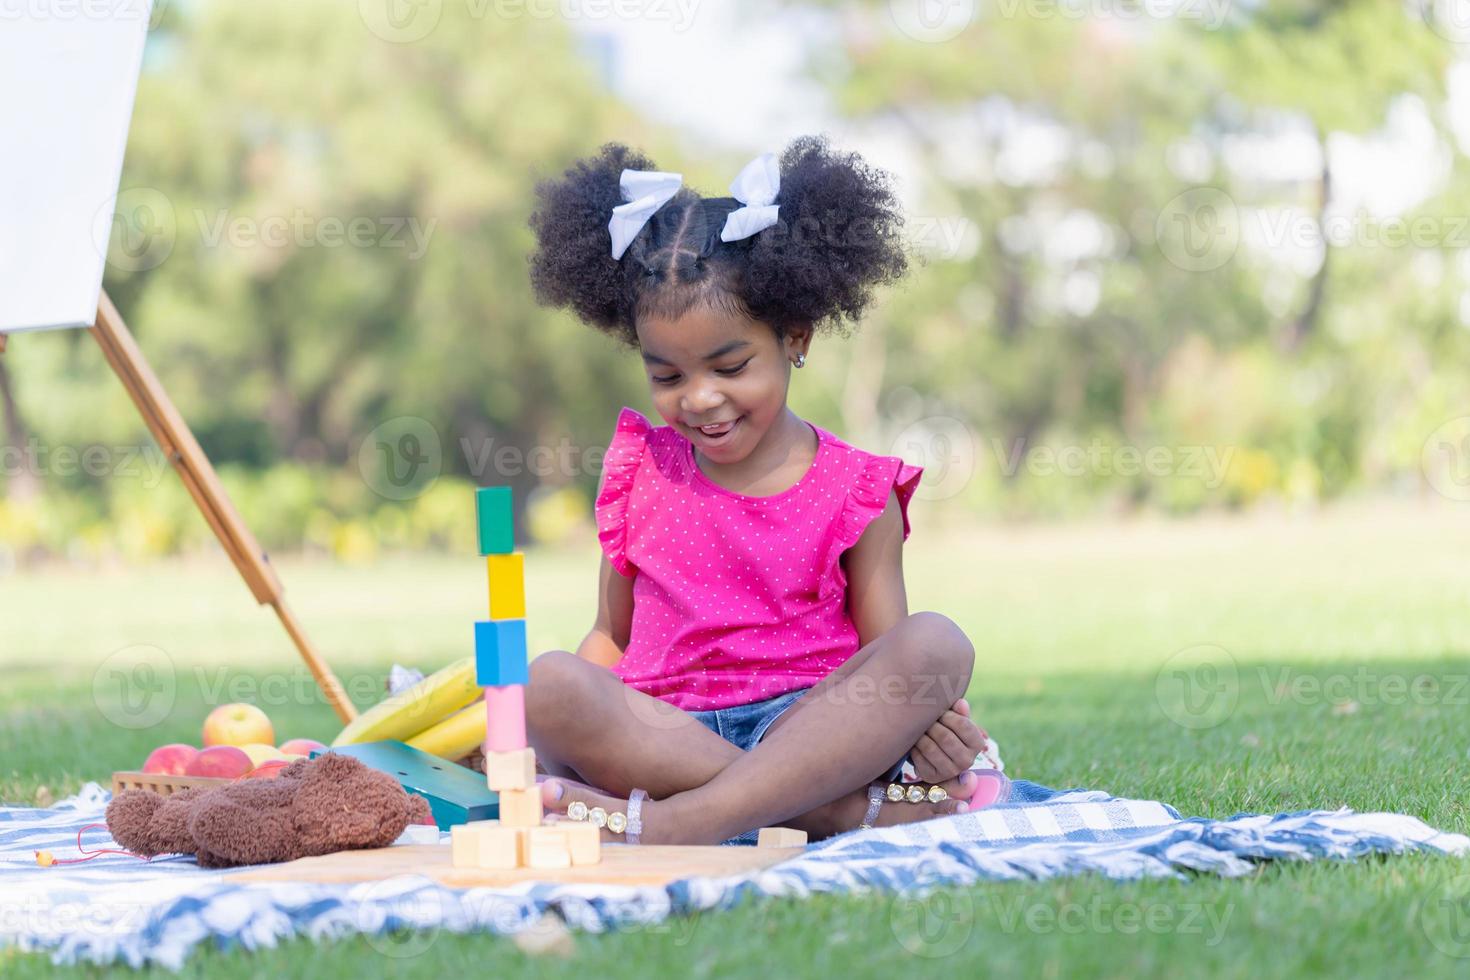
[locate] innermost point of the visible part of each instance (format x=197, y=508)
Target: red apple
x=238, y=724
x=220, y=761
x=268, y=770
x=170, y=760
x=302, y=746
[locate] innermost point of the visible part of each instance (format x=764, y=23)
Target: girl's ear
x=798, y=340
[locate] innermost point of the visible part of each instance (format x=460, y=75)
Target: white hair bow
x=755, y=187
x=645, y=191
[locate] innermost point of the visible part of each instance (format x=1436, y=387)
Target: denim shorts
x=744, y=725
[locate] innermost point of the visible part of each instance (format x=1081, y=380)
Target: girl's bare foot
x=661, y=826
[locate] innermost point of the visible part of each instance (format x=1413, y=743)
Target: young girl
x=754, y=661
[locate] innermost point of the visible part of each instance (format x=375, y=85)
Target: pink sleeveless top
x=736, y=599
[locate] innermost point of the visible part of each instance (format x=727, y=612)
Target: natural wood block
x=493, y=520
x=521, y=807
x=510, y=770
x=548, y=847
x=487, y=844
x=584, y=841
x=780, y=837
x=507, y=577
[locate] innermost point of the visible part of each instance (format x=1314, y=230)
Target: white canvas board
x=68, y=76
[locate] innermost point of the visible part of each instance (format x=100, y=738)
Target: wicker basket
x=164, y=784
x=161, y=783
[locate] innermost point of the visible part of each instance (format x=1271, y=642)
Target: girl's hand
x=950, y=745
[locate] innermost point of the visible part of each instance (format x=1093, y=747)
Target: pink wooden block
x=505, y=718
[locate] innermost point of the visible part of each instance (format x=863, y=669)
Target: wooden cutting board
x=621, y=864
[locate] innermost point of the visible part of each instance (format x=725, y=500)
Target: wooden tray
x=161, y=783
x=621, y=864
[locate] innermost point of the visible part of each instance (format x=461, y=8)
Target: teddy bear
x=315, y=806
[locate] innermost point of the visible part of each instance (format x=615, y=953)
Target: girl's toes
x=977, y=787
x=554, y=795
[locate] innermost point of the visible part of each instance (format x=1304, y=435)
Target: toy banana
x=417, y=709
x=456, y=736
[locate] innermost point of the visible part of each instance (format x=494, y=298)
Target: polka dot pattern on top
x=736, y=598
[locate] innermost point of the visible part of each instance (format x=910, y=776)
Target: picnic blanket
x=118, y=908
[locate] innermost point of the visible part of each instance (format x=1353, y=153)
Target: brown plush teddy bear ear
x=419, y=811
x=146, y=823
x=343, y=805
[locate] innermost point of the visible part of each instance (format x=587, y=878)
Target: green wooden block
x=493, y=520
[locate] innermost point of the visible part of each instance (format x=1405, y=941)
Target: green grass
x=1342, y=682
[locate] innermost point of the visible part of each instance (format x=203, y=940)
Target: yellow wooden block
x=548, y=847
x=510, y=770
x=584, y=841
x=487, y=844
x=507, y=575
x=780, y=837
x=521, y=807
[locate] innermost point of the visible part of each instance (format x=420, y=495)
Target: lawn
x=1337, y=673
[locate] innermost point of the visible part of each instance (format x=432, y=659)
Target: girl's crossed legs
x=811, y=769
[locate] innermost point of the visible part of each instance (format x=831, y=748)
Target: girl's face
x=718, y=378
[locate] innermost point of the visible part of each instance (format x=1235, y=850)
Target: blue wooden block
x=456, y=794
x=500, y=652
x=494, y=523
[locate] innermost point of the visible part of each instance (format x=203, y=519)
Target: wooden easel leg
x=194, y=468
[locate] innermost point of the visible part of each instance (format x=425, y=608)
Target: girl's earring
x=801, y=360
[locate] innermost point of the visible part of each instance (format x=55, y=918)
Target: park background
x=1183, y=353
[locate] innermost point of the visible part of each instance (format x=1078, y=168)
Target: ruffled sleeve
x=869, y=495
x=619, y=469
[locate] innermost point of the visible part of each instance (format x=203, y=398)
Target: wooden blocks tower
x=518, y=838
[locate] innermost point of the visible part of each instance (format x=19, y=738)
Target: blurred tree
x=351, y=234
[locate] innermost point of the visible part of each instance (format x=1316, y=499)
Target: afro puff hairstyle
x=839, y=235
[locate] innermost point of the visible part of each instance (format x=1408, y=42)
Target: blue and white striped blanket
x=118, y=908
